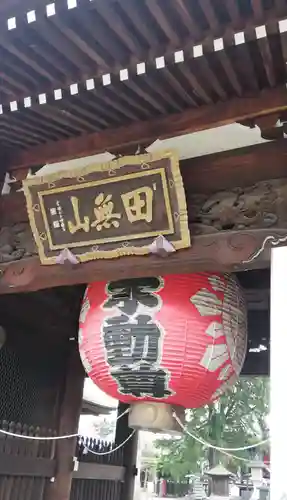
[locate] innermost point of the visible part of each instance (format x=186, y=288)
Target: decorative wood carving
x=16, y=242
x=269, y=125
x=261, y=206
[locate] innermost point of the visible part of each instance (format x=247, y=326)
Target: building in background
x=99, y=413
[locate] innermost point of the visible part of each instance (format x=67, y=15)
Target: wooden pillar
x=130, y=453
x=278, y=343
x=70, y=408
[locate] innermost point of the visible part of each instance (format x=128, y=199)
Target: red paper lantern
x=178, y=339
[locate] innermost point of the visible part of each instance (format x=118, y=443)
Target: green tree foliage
x=237, y=419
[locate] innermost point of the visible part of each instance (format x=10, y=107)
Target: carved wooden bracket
x=268, y=124
x=262, y=205
x=131, y=149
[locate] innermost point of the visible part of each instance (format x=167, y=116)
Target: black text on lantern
x=133, y=340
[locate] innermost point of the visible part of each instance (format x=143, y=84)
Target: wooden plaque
x=108, y=210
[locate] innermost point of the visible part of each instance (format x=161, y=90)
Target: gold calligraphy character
x=78, y=224
x=138, y=204
x=104, y=212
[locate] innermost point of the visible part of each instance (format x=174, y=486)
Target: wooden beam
x=100, y=472
x=217, y=250
x=239, y=167
x=225, y=170
x=11, y=465
x=225, y=251
x=194, y=120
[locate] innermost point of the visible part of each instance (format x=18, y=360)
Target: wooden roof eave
x=95, y=409
x=146, y=132
x=62, y=53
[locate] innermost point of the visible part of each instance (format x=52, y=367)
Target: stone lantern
x=219, y=482
x=257, y=468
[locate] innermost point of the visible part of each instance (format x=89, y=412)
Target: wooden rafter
x=187, y=19
x=66, y=56
x=233, y=10
x=77, y=61
x=280, y=6
x=209, y=12
x=258, y=9
x=146, y=132
x=61, y=48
